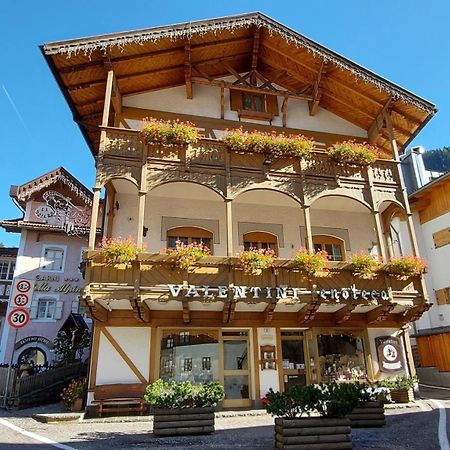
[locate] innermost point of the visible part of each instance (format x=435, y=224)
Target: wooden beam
x=317, y=92
x=375, y=130
x=108, y=94
x=94, y=309
x=251, y=89
x=222, y=102
x=414, y=313
x=308, y=312
x=111, y=196
x=188, y=69
x=255, y=52
x=380, y=313
x=141, y=310
x=343, y=315
x=116, y=98
x=270, y=308
x=284, y=108
x=186, y=311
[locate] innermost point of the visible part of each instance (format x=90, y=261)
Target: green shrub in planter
x=183, y=408
x=401, y=388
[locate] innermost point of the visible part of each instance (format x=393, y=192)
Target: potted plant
x=183, y=408
x=169, y=132
x=72, y=395
x=333, y=401
x=311, y=264
x=271, y=145
x=369, y=413
x=353, y=153
x=254, y=261
x=407, y=266
x=401, y=388
x=118, y=251
x=365, y=266
x=185, y=256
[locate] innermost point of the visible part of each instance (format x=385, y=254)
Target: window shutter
x=34, y=309
x=75, y=306
x=235, y=100
x=272, y=104
x=443, y=296
x=58, y=310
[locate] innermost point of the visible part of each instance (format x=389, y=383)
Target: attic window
x=254, y=106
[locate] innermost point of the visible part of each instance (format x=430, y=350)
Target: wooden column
x=229, y=227
x=409, y=353
x=412, y=234
x=140, y=221
x=308, y=230
x=379, y=233
x=94, y=217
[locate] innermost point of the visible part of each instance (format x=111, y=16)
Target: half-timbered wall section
x=251, y=72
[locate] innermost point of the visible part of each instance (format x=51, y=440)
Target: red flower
x=265, y=401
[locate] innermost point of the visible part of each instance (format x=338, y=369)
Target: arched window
x=332, y=245
x=187, y=235
x=259, y=239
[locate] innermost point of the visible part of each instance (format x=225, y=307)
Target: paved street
x=407, y=428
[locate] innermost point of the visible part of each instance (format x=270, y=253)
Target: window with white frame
x=46, y=307
x=7, y=270
x=53, y=258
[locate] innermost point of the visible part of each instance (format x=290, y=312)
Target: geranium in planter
x=406, y=267
x=254, y=260
x=353, y=153
x=169, y=132
x=186, y=255
x=72, y=395
x=118, y=251
x=183, y=408
x=311, y=264
x=271, y=145
x=365, y=266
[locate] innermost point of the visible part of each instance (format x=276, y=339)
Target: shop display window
x=341, y=357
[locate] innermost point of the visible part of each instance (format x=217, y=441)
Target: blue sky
x=404, y=41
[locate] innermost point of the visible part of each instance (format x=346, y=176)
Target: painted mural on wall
x=61, y=211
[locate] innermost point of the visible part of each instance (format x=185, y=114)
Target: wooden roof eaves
x=75, y=115
x=187, y=29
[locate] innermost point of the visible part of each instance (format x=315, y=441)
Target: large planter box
x=402, y=395
x=313, y=433
x=183, y=421
x=369, y=415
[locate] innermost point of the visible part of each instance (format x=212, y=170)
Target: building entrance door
x=236, y=368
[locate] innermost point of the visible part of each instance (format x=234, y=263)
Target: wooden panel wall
x=434, y=351
x=439, y=203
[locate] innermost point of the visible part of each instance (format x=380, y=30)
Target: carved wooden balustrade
x=209, y=162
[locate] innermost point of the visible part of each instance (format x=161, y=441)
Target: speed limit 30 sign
x=18, y=317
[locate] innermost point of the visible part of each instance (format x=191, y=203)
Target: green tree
x=69, y=346
x=437, y=160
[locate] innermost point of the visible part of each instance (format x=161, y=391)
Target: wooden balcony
x=216, y=287
x=211, y=163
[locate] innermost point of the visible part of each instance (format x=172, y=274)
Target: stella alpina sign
x=277, y=292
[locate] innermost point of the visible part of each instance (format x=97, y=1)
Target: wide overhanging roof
x=154, y=58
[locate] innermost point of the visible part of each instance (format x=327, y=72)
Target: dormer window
x=253, y=102
x=250, y=105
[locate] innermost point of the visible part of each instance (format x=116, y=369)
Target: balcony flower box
x=185, y=256
x=182, y=408
x=311, y=264
x=365, y=266
x=271, y=145
x=118, y=252
x=254, y=261
x=169, y=132
x=353, y=153
x=406, y=267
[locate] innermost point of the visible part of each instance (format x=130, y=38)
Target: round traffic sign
x=21, y=300
x=23, y=286
x=18, y=318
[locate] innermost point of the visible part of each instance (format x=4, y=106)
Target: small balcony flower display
x=353, y=153
x=406, y=267
x=118, y=251
x=269, y=144
x=311, y=264
x=72, y=395
x=254, y=260
x=169, y=132
x=365, y=266
x=186, y=255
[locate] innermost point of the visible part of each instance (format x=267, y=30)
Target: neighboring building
x=430, y=203
x=214, y=322
x=8, y=256
x=53, y=231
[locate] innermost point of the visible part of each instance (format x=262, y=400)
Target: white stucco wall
x=135, y=342
x=206, y=102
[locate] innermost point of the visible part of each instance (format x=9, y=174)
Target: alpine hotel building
x=214, y=322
